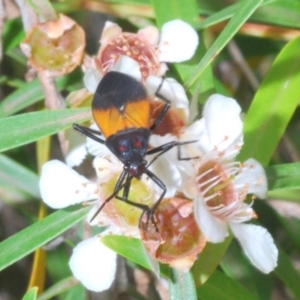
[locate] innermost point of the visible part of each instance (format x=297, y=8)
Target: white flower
x=140, y=55
x=61, y=186
x=92, y=262
x=223, y=184
x=166, y=167
x=170, y=89
x=177, y=43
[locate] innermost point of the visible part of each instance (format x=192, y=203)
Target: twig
x=239, y=60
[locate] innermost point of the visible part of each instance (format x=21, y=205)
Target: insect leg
x=91, y=133
x=165, y=108
x=126, y=189
x=168, y=146
x=127, y=186
x=150, y=212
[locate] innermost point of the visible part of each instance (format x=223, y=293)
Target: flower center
x=130, y=45
x=122, y=213
x=214, y=182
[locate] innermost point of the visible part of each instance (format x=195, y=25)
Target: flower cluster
x=208, y=193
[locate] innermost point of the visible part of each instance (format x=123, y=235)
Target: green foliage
x=266, y=34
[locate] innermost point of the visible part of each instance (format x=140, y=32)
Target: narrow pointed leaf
x=221, y=287
x=273, y=105
x=25, y=128
x=59, y=287
x=28, y=94
x=27, y=240
x=130, y=248
x=240, y=16
x=31, y=294
x=209, y=260
x=288, y=274
x=285, y=176
x=13, y=174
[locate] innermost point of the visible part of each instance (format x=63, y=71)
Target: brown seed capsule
x=179, y=239
x=55, y=47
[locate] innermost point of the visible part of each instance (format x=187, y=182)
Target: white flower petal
x=161, y=71
x=214, y=229
x=196, y=132
x=76, y=156
x=95, y=148
x=128, y=66
x=110, y=31
x=149, y=34
x=76, y=147
x=152, y=83
x=168, y=167
x=178, y=41
x=258, y=245
x=223, y=123
x=93, y=264
x=254, y=176
x=102, y=219
x=91, y=80
x=168, y=173
x=106, y=167
x=171, y=90
x=61, y=186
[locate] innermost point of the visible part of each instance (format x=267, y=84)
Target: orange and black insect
x=121, y=109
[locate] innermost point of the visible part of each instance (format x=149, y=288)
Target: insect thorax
x=130, y=145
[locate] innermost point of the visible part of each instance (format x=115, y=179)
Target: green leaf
x=292, y=228
x=219, y=16
x=185, y=10
x=31, y=294
x=288, y=274
x=38, y=234
x=76, y=293
x=58, y=288
x=12, y=174
x=131, y=248
x=236, y=265
x=283, y=13
x=28, y=94
x=221, y=287
x=273, y=105
x=239, y=18
x=285, y=176
x=209, y=260
x=25, y=128
x=290, y=195
x=182, y=286
x=13, y=34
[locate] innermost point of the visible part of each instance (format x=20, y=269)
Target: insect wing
x=120, y=102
